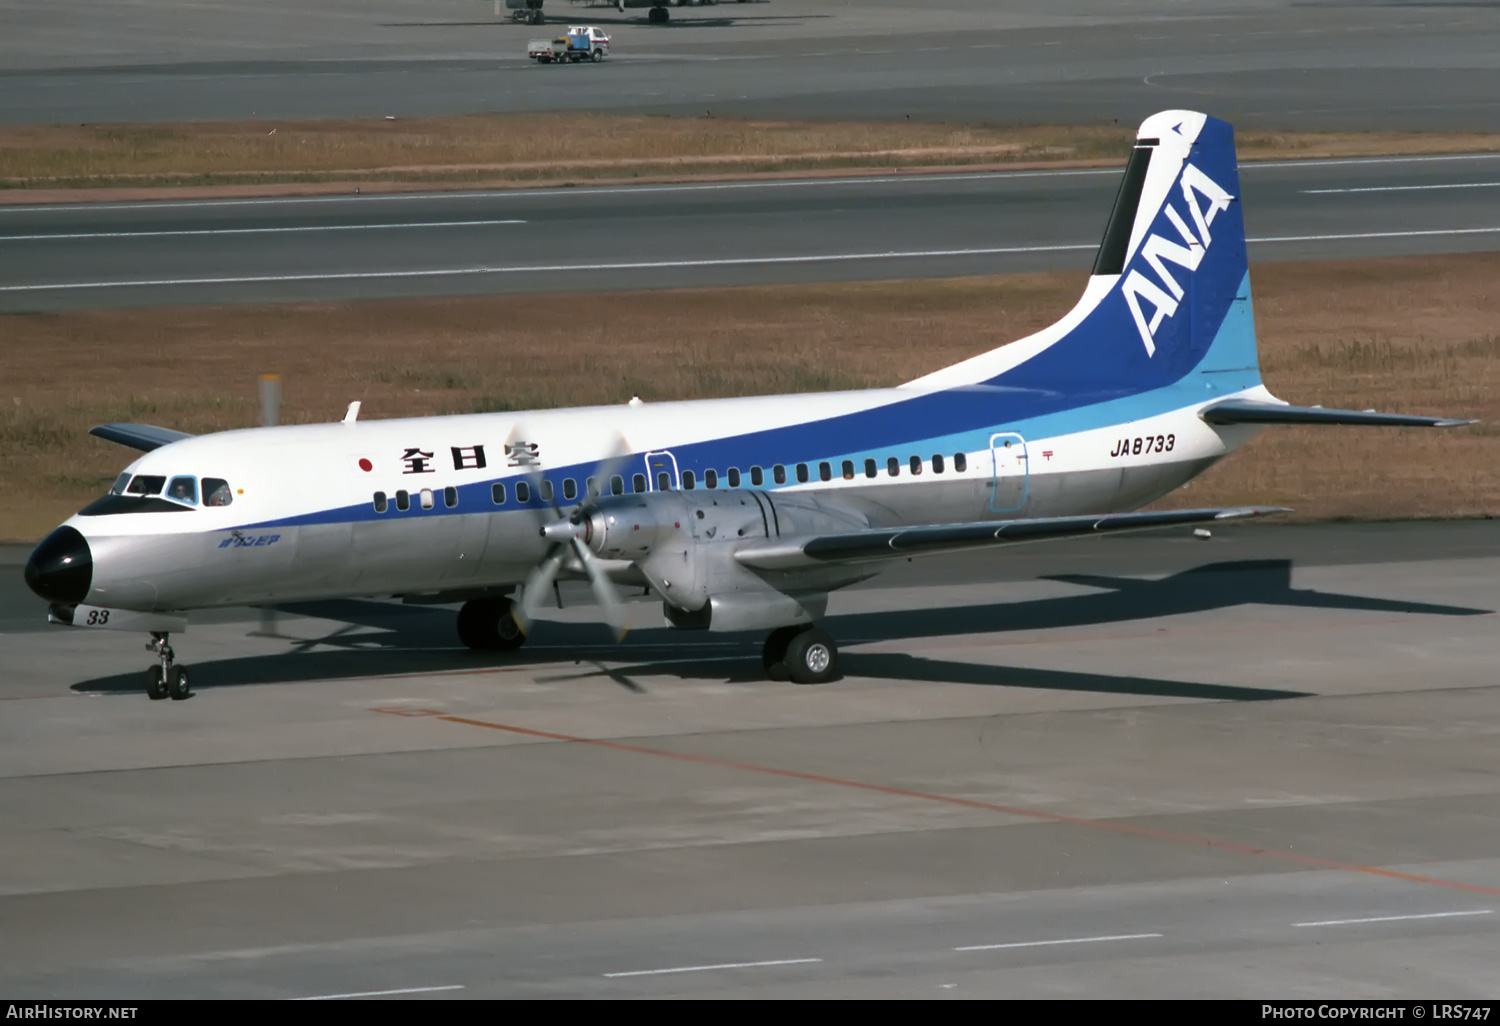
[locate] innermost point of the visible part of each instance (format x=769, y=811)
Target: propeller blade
x=270, y=399
x=604, y=590
x=538, y=583
x=610, y=465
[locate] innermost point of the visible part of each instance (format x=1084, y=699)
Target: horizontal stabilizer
x=144, y=437
x=892, y=543
x=1248, y=411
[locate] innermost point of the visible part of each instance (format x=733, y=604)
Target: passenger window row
x=732, y=478
x=425, y=498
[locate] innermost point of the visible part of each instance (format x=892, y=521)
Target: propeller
x=568, y=534
x=270, y=407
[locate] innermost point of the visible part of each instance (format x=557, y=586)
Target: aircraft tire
x=773, y=655
x=489, y=625
x=156, y=684
x=812, y=657
x=178, y=685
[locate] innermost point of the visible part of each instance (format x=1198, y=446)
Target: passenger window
x=848, y=469
x=545, y=488
x=380, y=504
x=497, y=494
x=825, y=472
x=570, y=488
x=426, y=494
x=638, y=483
x=450, y=496
x=523, y=491
x=617, y=485
x=146, y=484
x=802, y=473
x=960, y=462
x=403, y=500
x=216, y=492
x=916, y=464
x=593, y=487
x=870, y=469
x=893, y=466
x=688, y=480
x=757, y=476
x=184, y=489
x=710, y=479
x=778, y=474
x=118, y=488
x=937, y=463
x=663, y=481
x=734, y=477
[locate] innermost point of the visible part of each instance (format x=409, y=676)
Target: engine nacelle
x=683, y=543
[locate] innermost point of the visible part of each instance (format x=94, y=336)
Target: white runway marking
x=1050, y=943
x=1397, y=919
x=1376, y=235
x=147, y=234
x=638, y=265
x=707, y=968
x=652, y=265
x=1403, y=188
x=381, y=993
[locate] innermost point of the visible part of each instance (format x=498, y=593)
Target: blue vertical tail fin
x=1168, y=302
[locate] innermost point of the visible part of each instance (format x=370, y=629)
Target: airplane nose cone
x=61, y=568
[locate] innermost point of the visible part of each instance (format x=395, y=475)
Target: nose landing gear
x=164, y=680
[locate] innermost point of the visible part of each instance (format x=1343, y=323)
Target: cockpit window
x=118, y=488
x=184, y=489
x=216, y=492
x=146, y=484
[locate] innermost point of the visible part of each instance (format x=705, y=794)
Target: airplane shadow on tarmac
x=384, y=639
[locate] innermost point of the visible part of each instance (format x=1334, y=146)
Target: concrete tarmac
x=1268, y=63
x=62, y=257
x=1261, y=765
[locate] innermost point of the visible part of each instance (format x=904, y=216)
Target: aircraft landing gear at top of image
x=165, y=680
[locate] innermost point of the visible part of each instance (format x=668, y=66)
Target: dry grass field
x=1402, y=334
x=528, y=149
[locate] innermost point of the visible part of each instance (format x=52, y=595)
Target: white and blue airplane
x=738, y=514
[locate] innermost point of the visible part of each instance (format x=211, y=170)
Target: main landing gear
x=164, y=680
x=804, y=655
x=490, y=625
x=658, y=16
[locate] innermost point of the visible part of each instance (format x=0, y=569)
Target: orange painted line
x=971, y=803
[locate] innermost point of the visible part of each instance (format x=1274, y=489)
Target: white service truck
x=579, y=43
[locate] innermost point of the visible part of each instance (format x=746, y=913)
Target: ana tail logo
x=1205, y=200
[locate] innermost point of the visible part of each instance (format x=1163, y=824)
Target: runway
x=1257, y=765
x=1272, y=63
x=67, y=256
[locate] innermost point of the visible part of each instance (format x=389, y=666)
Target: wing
x=893, y=543
x=1248, y=411
x=144, y=437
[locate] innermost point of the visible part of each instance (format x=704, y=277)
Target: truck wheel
x=598, y=56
